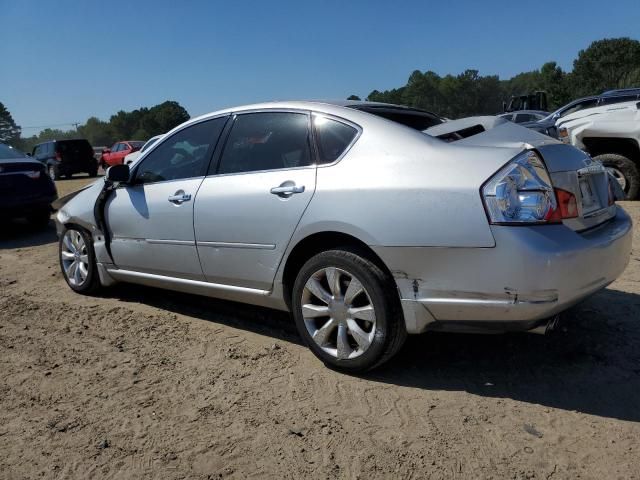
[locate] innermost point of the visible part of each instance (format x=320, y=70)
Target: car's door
x=38, y=154
x=151, y=218
x=108, y=157
x=248, y=207
x=125, y=149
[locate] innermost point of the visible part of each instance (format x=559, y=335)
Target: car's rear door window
x=332, y=137
x=185, y=154
x=267, y=141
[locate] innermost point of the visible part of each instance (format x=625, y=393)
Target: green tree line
x=139, y=124
x=606, y=64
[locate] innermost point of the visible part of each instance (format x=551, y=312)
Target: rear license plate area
x=589, y=193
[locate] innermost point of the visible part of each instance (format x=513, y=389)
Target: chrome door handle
x=287, y=189
x=179, y=197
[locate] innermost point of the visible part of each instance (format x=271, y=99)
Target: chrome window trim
x=314, y=146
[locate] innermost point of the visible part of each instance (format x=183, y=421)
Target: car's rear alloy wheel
x=77, y=260
x=338, y=313
x=347, y=310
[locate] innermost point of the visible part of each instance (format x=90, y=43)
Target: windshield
x=149, y=143
x=573, y=107
x=7, y=152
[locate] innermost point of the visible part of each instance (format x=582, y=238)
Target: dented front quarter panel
x=79, y=210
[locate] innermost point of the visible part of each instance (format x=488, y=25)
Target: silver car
x=364, y=228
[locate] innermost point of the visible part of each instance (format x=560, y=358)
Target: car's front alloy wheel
x=347, y=310
x=77, y=260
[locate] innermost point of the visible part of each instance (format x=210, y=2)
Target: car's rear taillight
x=567, y=204
x=521, y=193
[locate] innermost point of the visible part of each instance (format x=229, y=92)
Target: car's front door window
x=185, y=154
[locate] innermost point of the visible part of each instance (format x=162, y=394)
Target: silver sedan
x=367, y=222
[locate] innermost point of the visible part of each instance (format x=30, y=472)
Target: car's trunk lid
x=588, y=180
x=20, y=177
x=570, y=169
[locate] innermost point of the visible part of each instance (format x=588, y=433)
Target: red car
x=115, y=155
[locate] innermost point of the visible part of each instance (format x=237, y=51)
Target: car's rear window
x=64, y=145
x=416, y=119
x=136, y=144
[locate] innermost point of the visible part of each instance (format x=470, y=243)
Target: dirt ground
x=144, y=383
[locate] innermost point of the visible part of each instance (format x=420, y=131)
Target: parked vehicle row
x=523, y=116
x=63, y=158
x=607, y=127
x=133, y=156
x=115, y=155
x=364, y=229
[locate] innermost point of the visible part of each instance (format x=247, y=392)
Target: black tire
x=627, y=168
x=54, y=172
x=390, y=331
x=40, y=218
x=92, y=281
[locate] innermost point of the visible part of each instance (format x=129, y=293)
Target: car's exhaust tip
x=547, y=325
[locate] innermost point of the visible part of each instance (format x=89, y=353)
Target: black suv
x=66, y=157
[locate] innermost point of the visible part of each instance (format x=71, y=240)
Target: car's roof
x=64, y=140
x=621, y=92
x=353, y=110
x=537, y=112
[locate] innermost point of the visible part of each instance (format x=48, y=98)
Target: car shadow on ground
x=590, y=364
x=19, y=234
x=264, y=321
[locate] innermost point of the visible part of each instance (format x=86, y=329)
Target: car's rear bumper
x=531, y=274
x=17, y=208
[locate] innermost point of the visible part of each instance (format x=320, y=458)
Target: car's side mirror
x=118, y=173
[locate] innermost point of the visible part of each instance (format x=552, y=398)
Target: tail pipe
x=547, y=326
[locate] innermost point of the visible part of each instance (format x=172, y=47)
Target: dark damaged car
x=26, y=191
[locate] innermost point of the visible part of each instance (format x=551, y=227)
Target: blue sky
x=64, y=61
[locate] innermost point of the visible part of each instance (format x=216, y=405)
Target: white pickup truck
x=611, y=134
